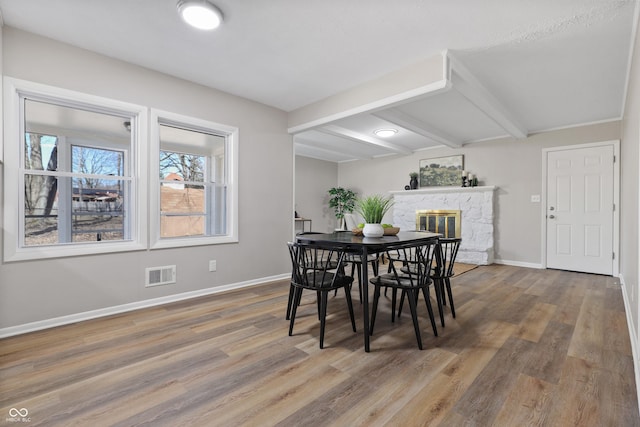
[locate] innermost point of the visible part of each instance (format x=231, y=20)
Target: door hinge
x=614, y=159
x=614, y=207
x=613, y=255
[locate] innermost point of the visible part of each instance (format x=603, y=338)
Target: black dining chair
x=410, y=273
x=325, y=256
x=322, y=271
x=446, y=253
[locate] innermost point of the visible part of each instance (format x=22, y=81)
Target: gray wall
x=38, y=290
x=313, y=179
x=514, y=166
x=630, y=158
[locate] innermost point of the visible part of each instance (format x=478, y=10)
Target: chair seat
x=401, y=281
x=324, y=281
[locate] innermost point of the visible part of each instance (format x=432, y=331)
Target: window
x=195, y=197
x=72, y=158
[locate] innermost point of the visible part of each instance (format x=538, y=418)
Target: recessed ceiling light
x=385, y=133
x=200, y=14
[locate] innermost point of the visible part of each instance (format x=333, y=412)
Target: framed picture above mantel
x=441, y=171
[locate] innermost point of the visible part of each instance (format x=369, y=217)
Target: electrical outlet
x=213, y=265
x=535, y=198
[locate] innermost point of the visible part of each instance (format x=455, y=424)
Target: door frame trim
x=616, y=198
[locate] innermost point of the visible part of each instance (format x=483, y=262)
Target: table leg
x=364, y=274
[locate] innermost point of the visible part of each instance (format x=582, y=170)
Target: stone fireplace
x=475, y=205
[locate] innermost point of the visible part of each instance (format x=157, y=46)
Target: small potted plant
x=373, y=208
x=413, y=183
x=342, y=201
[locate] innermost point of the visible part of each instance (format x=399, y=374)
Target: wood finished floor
x=528, y=348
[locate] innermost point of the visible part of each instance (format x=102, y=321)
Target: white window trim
x=158, y=117
x=12, y=89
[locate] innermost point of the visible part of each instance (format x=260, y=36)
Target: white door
x=580, y=195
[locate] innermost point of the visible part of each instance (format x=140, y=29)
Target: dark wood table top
x=349, y=240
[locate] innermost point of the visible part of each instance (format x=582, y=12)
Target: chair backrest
x=447, y=252
x=313, y=267
x=350, y=220
x=415, y=262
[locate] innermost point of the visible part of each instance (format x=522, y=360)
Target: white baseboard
x=517, y=263
x=108, y=311
x=632, y=335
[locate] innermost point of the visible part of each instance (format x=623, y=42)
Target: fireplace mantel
x=430, y=190
x=477, y=211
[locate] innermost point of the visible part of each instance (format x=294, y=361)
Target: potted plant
x=373, y=208
x=413, y=183
x=342, y=201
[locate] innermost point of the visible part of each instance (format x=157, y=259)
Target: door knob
x=551, y=208
x=551, y=216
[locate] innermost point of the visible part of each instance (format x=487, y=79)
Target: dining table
x=364, y=246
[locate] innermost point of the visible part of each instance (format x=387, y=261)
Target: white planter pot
x=373, y=230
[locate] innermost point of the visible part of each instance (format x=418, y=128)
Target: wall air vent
x=157, y=276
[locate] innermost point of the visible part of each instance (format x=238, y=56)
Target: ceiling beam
x=311, y=145
x=362, y=138
x=467, y=85
x=420, y=127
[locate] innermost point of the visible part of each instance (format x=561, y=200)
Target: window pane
x=180, y=226
x=98, y=211
x=182, y=210
x=41, y=210
x=40, y=152
x=182, y=167
x=96, y=161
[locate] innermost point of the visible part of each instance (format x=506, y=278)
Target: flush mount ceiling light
x=385, y=133
x=200, y=14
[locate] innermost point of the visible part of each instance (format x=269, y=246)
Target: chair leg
x=290, y=301
x=323, y=316
x=448, y=285
x=427, y=299
x=297, y=294
x=374, y=309
x=394, y=295
x=357, y=271
x=414, y=316
x=437, y=285
x=350, y=306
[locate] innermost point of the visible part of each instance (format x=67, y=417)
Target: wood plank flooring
x=528, y=348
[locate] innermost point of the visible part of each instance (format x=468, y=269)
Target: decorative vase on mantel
x=413, y=182
x=373, y=230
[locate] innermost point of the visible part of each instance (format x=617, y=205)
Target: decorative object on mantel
x=373, y=208
x=413, y=183
x=342, y=201
x=441, y=171
x=469, y=179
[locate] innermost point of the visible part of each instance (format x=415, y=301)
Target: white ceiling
x=517, y=66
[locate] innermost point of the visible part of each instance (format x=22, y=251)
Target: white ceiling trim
x=410, y=95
